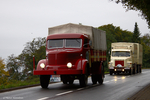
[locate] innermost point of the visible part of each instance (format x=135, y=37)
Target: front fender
x=81, y=65
x=41, y=61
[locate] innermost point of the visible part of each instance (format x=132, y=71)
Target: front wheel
x=44, y=80
x=84, y=79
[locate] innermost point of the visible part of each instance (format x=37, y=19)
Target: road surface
x=115, y=87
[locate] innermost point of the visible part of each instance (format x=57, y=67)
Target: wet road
x=115, y=87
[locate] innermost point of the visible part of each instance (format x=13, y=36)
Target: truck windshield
x=58, y=43
x=73, y=43
x=121, y=53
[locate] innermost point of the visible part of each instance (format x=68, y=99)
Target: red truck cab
x=66, y=55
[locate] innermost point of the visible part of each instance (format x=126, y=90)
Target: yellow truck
x=125, y=57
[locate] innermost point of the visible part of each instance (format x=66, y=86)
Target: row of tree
x=21, y=67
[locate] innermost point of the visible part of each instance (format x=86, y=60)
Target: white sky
x=23, y=20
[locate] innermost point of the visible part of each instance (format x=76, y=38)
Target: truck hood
x=63, y=56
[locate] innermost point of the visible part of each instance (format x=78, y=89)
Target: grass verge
x=16, y=83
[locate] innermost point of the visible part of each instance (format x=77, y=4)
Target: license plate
x=55, y=78
x=119, y=69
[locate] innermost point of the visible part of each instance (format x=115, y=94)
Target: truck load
x=125, y=57
x=74, y=52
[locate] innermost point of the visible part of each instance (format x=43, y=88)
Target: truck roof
x=67, y=35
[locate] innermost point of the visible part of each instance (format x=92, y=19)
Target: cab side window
x=85, y=43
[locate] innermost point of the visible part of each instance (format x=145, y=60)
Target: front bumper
x=119, y=69
x=57, y=72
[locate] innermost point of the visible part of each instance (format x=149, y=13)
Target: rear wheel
x=110, y=72
x=130, y=72
x=100, y=78
x=71, y=81
x=94, y=79
x=44, y=80
x=140, y=69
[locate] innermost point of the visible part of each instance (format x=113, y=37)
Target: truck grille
x=119, y=62
x=62, y=59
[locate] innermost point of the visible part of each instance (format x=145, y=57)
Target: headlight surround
x=42, y=65
x=69, y=64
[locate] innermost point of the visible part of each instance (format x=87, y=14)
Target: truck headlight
x=42, y=65
x=69, y=65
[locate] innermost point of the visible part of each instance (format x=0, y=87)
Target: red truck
x=74, y=52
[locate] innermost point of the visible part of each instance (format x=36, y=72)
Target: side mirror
x=109, y=52
x=90, y=43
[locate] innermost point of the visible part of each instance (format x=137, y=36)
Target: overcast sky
x=23, y=20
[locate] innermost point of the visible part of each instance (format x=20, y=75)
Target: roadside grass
x=16, y=83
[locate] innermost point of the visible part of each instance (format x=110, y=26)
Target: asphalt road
x=115, y=87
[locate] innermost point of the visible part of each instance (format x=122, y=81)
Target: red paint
x=119, y=62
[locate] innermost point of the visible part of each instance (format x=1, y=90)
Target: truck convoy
x=74, y=52
x=125, y=57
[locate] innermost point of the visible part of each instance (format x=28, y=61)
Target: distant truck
x=74, y=52
x=125, y=57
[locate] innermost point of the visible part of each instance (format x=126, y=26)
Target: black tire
x=100, y=78
x=110, y=72
x=44, y=80
x=71, y=81
x=137, y=71
x=140, y=70
x=130, y=72
x=84, y=79
x=94, y=79
x=64, y=81
x=133, y=71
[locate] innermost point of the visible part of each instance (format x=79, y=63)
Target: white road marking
x=63, y=93
x=43, y=98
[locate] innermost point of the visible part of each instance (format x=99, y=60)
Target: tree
x=136, y=34
x=145, y=41
x=14, y=67
x=3, y=73
x=21, y=67
x=142, y=5
x=36, y=47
